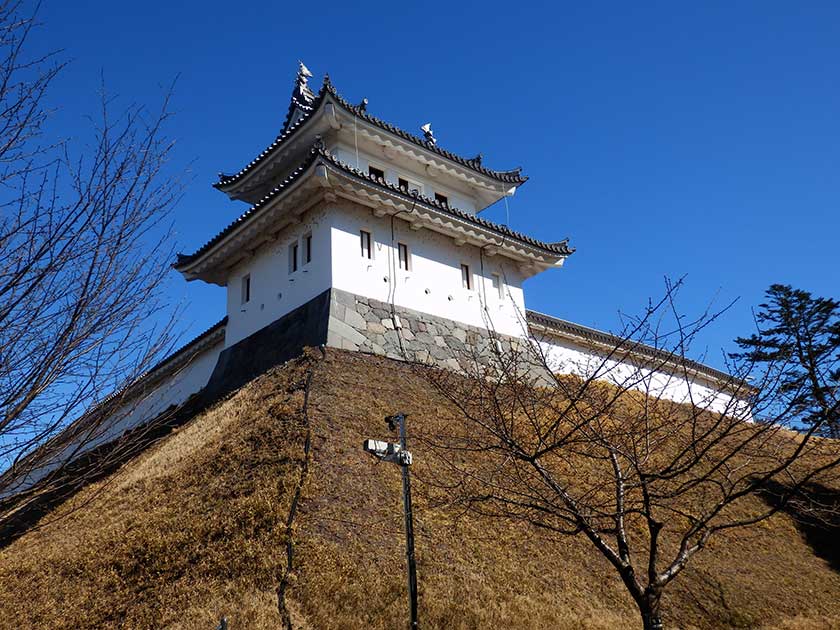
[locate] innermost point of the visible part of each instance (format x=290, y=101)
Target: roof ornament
x=303, y=74
x=319, y=144
x=302, y=94
x=428, y=133
x=362, y=107
x=477, y=159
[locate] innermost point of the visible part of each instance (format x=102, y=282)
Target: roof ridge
x=512, y=176
x=138, y=380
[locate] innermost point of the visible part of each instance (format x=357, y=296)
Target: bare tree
x=84, y=250
x=622, y=453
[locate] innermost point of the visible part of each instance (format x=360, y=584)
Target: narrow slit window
x=402, y=248
x=378, y=173
x=307, y=249
x=442, y=199
x=498, y=286
x=246, y=289
x=367, y=252
x=466, y=277
x=293, y=257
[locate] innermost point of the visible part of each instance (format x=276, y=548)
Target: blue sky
x=664, y=140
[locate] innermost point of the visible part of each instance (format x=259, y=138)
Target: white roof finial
x=303, y=70
x=428, y=133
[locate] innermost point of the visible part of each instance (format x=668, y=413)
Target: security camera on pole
x=398, y=454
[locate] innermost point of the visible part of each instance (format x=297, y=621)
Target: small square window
x=408, y=186
x=378, y=173
x=293, y=257
x=442, y=199
x=246, y=289
x=498, y=285
x=402, y=248
x=307, y=249
x=466, y=277
x=367, y=251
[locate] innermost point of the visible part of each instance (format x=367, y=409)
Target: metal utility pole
x=398, y=454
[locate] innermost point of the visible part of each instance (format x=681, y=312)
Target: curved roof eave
x=559, y=249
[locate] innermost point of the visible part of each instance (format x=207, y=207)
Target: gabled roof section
x=319, y=154
x=328, y=92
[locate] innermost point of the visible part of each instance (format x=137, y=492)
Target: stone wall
x=365, y=325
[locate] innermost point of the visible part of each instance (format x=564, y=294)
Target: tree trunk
x=650, y=607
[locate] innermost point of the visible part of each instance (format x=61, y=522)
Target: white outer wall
x=563, y=356
x=457, y=199
x=275, y=290
x=435, y=267
x=174, y=390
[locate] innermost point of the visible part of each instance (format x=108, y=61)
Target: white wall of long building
x=135, y=411
x=566, y=356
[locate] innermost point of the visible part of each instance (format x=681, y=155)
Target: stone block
x=452, y=364
x=344, y=330
x=333, y=339
x=355, y=320
x=387, y=322
x=342, y=297
x=337, y=309
x=376, y=328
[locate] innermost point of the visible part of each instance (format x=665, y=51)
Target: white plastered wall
x=565, y=356
x=460, y=199
x=172, y=391
x=275, y=288
x=433, y=283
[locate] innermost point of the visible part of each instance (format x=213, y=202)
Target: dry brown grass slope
x=196, y=528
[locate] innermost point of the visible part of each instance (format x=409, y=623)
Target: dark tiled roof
x=184, y=259
x=157, y=371
x=600, y=336
x=512, y=177
x=560, y=248
x=184, y=348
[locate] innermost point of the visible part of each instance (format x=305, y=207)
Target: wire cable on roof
x=356, y=140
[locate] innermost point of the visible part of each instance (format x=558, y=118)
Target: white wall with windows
x=279, y=277
x=457, y=196
x=424, y=271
